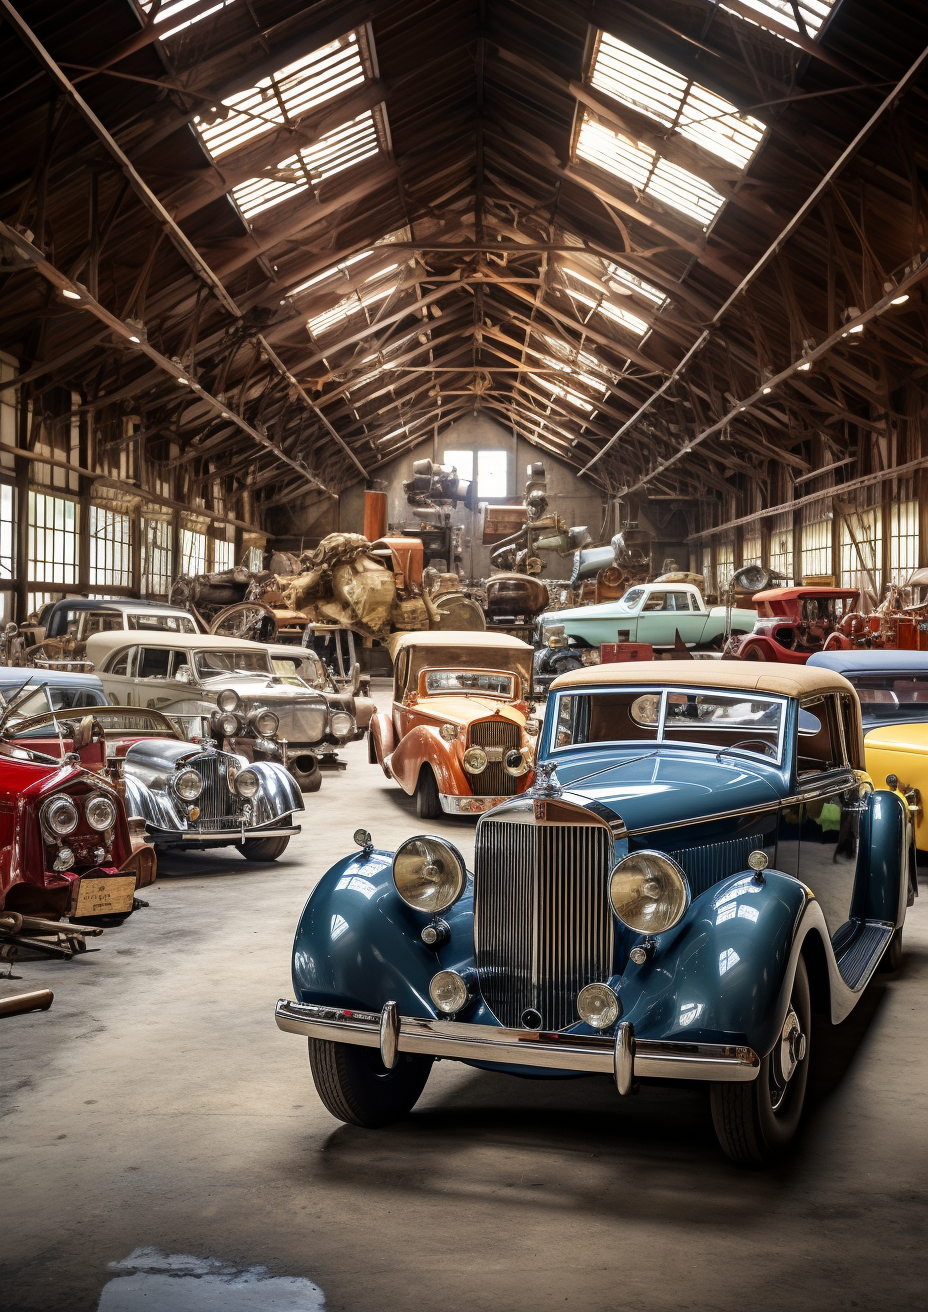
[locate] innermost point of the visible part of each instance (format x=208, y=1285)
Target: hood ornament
x=546, y=784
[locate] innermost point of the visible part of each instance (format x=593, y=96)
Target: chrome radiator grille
x=216, y=798
x=712, y=862
x=494, y=781
x=304, y=722
x=542, y=919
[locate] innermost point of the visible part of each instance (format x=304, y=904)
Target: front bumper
x=451, y=804
x=217, y=837
x=624, y=1057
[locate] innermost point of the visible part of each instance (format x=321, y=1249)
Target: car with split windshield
x=251, y=709
x=460, y=734
x=701, y=862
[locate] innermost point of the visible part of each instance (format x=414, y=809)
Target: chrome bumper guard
x=624, y=1057
x=219, y=836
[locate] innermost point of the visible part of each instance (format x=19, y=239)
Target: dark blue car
x=701, y=864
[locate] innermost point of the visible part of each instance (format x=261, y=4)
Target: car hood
x=901, y=737
x=657, y=787
x=605, y=610
x=262, y=688
x=464, y=710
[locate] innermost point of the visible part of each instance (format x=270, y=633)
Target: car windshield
x=57, y=699
x=827, y=610
x=286, y=671
x=698, y=717
x=893, y=696
x=162, y=623
x=485, y=683
x=631, y=599
x=212, y=663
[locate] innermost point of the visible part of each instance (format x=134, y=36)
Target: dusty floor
x=157, y=1107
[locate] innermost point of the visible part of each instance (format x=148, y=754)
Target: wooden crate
x=501, y=522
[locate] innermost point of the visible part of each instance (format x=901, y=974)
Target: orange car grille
x=494, y=781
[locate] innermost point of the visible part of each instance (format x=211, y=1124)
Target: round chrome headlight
x=449, y=732
x=598, y=1006
x=517, y=762
x=247, y=783
x=266, y=723
x=649, y=892
x=60, y=814
x=228, y=724
x=429, y=874
x=475, y=760
x=100, y=812
x=188, y=785
x=449, y=992
x=342, y=724
x=228, y=700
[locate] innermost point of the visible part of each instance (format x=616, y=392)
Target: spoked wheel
x=428, y=803
x=755, y=1122
x=356, y=1087
x=263, y=849
x=246, y=619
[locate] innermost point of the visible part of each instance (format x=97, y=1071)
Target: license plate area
x=105, y=896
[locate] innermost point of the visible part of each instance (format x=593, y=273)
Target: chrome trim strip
x=623, y=1061
x=456, y=1040
x=193, y=836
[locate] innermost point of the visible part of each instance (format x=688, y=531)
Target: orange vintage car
x=461, y=734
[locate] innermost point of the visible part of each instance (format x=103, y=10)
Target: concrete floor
x=158, y=1107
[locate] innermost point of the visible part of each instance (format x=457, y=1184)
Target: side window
x=655, y=601
x=678, y=601
x=100, y=621
x=402, y=666
x=154, y=663
x=121, y=664
x=818, y=742
x=851, y=722
x=179, y=658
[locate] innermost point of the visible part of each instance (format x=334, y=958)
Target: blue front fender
x=721, y=975
x=359, y=945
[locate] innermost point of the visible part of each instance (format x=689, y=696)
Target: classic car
x=66, y=691
x=301, y=665
x=460, y=735
x=653, y=613
x=66, y=845
x=60, y=631
x=792, y=623
x=892, y=687
x=700, y=865
x=185, y=795
x=191, y=675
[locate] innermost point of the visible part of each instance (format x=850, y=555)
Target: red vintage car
x=792, y=623
x=66, y=848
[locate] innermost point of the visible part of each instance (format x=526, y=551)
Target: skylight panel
x=377, y=288
x=644, y=170
x=287, y=95
x=172, y=9
x=812, y=12
x=337, y=150
x=598, y=300
x=674, y=101
x=622, y=280
x=566, y=394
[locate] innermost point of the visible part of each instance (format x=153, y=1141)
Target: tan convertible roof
x=747, y=676
x=101, y=644
x=455, y=638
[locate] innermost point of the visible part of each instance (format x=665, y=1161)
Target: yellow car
x=893, y=690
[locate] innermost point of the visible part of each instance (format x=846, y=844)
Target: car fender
x=159, y=809
x=772, y=651
x=383, y=737
x=425, y=745
x=280, y=793
x=724, y=973
x=881, y=889
x=358, y=944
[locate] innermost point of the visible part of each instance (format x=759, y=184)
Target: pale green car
x=653, y=613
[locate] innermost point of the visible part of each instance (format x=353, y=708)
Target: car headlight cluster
x=226, y=724
x=429, y=874
x=449, y=732
x=246, y=783
x=518, y=761
x=649, y=892
x=475, y=760
x=60, y=814
x=342, y=724
x=265, y=723
x=228, y=700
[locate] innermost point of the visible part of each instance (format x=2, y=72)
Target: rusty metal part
x=37, y=1000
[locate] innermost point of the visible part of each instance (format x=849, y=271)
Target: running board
x=860, y=957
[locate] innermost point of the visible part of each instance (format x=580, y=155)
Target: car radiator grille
x=494, y=781
x=216, y=799
x=712, y=862
x=543, y=922
x=302, y=723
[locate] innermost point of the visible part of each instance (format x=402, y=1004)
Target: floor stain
x=177, y=1282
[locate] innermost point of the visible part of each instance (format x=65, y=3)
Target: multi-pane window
x=751, y=550
x=708, y=577
x=790, y=13
x=223, y=554
x=724, y=565
x=36, y=600
x=781, y=552
x=110, y=549
x=52, y=549
x=255, y=559
x=862, y=549
x=903, y=540
x=157, y=557
x=7, y=530
x=192, y=552
x=816, y=549
x=492, y=481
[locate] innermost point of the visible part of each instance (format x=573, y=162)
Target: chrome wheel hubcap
x=786, y=1056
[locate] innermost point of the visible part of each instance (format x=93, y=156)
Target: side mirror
x=182, y=674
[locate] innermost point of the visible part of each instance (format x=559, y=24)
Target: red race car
x=792, y=623
x=66, y=848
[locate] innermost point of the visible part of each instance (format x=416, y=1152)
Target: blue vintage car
x=701, y=864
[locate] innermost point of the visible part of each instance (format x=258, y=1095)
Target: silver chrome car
x=231, y=681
